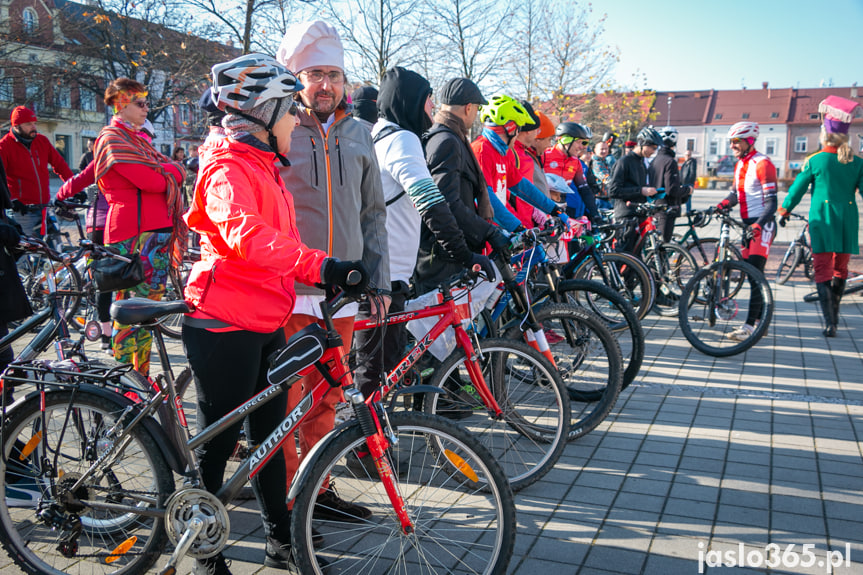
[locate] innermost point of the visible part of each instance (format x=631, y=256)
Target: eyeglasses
x=736, y=140
x=317, y=76
x=293, y=110
x=142, y=103
x=585, y=142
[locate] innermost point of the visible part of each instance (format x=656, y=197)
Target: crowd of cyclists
x=302, y=190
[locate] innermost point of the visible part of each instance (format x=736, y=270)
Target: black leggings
x=229, y=368
x=103, y=300
x=756, y=300
x=373, y=355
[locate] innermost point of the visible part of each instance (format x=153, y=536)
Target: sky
x=728, y=44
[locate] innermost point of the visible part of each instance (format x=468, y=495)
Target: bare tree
x=377, y=34
x=470, y=34
x=527, y=59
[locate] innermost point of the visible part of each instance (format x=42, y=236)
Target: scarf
x=456, y=124
x=118, y=145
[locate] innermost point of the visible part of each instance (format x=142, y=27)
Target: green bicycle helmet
x=502, y=109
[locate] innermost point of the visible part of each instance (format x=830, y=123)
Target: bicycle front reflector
x=461, y=465
x=121, y=549
x=30, y=446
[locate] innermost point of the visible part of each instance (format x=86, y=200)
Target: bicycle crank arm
x=195, y=526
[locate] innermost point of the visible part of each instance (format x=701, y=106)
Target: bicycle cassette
x=186, y=505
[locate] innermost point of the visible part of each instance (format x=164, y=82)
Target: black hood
x=402, y=98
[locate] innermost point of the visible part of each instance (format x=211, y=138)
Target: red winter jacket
x=251, y=251
x=502, y=173
x=27, y=169
x=555, y=161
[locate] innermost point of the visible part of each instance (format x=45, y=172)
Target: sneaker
x=22, y=492
x=742, y=333
x=344, y=412
x=331, y=507
x=212, y=566
x=280, y=556
x=106, y=342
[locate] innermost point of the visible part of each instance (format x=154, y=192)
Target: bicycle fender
x=312, y=457
x=411, y=390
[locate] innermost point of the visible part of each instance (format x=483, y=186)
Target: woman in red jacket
x=243, y=285
x=142, y=188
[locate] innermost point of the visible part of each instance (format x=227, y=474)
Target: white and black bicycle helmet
x=247, y=81
x=669, y=136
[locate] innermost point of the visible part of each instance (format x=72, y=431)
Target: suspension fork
x=474, y=371
x=534, y=335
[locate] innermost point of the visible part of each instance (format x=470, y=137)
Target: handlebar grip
x=354, y=277
x=476, y=268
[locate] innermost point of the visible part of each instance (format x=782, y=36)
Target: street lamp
x=668, y=118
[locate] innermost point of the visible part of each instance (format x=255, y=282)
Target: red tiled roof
x=765, y=106
x=687, y=108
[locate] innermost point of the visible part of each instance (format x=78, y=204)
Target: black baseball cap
x=461, y=91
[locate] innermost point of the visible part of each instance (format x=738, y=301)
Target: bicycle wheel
x=530, y=436
x=790, y=261
x=43, y=457
x=455, y=494
x=672, y=267
x=588, y=360
x=34, y=270
x=627, y=275
x=729, y=290
x=617, y=313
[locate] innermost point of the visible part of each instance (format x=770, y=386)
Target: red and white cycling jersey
x=754, y=182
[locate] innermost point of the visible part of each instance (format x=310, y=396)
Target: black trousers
x=380, y=349
x=229, y=368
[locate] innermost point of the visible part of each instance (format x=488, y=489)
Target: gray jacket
x=338, y=200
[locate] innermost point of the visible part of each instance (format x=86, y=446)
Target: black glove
x=484, y=264
x=336, y=274
x=80, y=197
x=19, y=207
x=9, y=236
x=498, y=241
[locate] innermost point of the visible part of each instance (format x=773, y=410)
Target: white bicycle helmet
x=669, y=135
x=247, y=81
x=743, y=130
x=557, y=184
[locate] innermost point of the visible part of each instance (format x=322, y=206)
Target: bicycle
x=107, y=503
x=721, y=294
x=854, y=284
x=799, y=252
x=670, y=264
x=702, y=250
x=502, y=391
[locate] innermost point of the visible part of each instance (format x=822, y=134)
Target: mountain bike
x=702, y=250
x=105, y=499
x=799, y=252
x=718, y=298
x=503, y=391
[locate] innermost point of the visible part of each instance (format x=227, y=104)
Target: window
x=166, y=149
x=860, y=138
x=770, y=147
x=717, y=117
x=29, y=21
x=62, y=97
x=88, y=100
x=814, y=116
x=6, y=89
x=714, y=147
x=745, y=115
x=34, y=95
x=801, y=144
x=64, y=146
x=774, y=115
x=690, y=144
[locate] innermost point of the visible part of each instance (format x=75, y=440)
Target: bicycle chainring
x=186, y=504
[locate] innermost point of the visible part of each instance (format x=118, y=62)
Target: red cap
x=22, y=115
x=629, y=144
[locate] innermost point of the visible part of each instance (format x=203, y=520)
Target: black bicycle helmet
x=577, y=131
x=534, y=118
x=649, y=135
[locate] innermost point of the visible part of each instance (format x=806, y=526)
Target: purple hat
x=838, y=113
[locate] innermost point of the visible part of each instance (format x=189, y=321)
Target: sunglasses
x=294, y=110
x=142, y=103
x=585, y=142
x=736, y=140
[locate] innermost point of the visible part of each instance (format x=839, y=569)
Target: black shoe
x=212, y=566
x=279, y=555
x=331, y=507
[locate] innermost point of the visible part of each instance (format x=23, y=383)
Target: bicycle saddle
x=138, y=310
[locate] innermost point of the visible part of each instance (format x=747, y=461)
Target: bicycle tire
x=638, y=286
x=461, y=524
x=33, y=269
x=790, y=261
x=617, y=313
x=671, y=266
x=138, y=476
x=530, y=437
x=588, y=360
x=707, y=325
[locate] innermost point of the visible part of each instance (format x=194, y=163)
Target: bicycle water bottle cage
x=302, y=350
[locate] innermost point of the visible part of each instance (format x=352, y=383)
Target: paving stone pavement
x=703, y=460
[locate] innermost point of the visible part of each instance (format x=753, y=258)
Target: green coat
x=833, y=218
